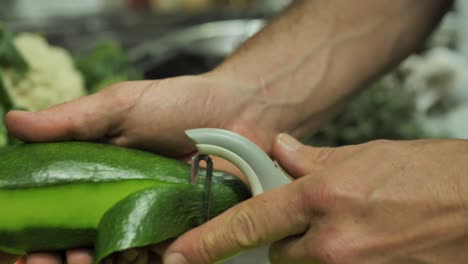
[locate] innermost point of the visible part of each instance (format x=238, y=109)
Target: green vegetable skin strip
x=55, y=196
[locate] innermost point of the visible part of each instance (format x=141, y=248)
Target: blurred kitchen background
x=108, y=41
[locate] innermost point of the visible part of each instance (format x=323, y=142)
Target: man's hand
x=381, y=202
x=150, y=115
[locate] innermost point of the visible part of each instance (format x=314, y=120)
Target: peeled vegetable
x=55, y=196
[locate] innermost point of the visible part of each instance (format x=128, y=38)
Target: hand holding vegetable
x=151, y=115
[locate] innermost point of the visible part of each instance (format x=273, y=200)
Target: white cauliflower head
x=52, y=77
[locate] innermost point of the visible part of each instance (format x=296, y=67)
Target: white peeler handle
x=254, y=163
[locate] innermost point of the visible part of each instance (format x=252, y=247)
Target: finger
x=298, y=159
x=79, y=256
x=87, y=118
x=79, y=119
x=43, y=258
x=263, y=219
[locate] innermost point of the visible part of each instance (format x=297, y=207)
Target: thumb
x=299, y=159
x=261, y=220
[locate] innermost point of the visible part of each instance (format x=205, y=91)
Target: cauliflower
x=51, y=79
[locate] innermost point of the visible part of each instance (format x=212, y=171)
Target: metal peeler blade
x=208, y=180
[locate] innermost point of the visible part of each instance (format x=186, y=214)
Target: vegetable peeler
x=260, y=171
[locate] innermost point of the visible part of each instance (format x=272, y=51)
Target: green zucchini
x=55, y=196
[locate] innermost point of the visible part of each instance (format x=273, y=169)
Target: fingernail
x=288, y=142
x=175, y=258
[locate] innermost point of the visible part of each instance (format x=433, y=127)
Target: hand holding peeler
x=260, y=171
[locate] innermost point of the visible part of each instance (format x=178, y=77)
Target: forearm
x=295, y=73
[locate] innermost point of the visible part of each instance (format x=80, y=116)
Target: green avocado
x=55, y=196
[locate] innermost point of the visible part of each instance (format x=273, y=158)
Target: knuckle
x=121, y=96
x=328, y=195
x=81, y=130
x=245, y=229
x=206, y=252
x=381, y=146
x=303, y=213
x=333, y=249
x=318, y=156
x=323, y=154
x=323, y=195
